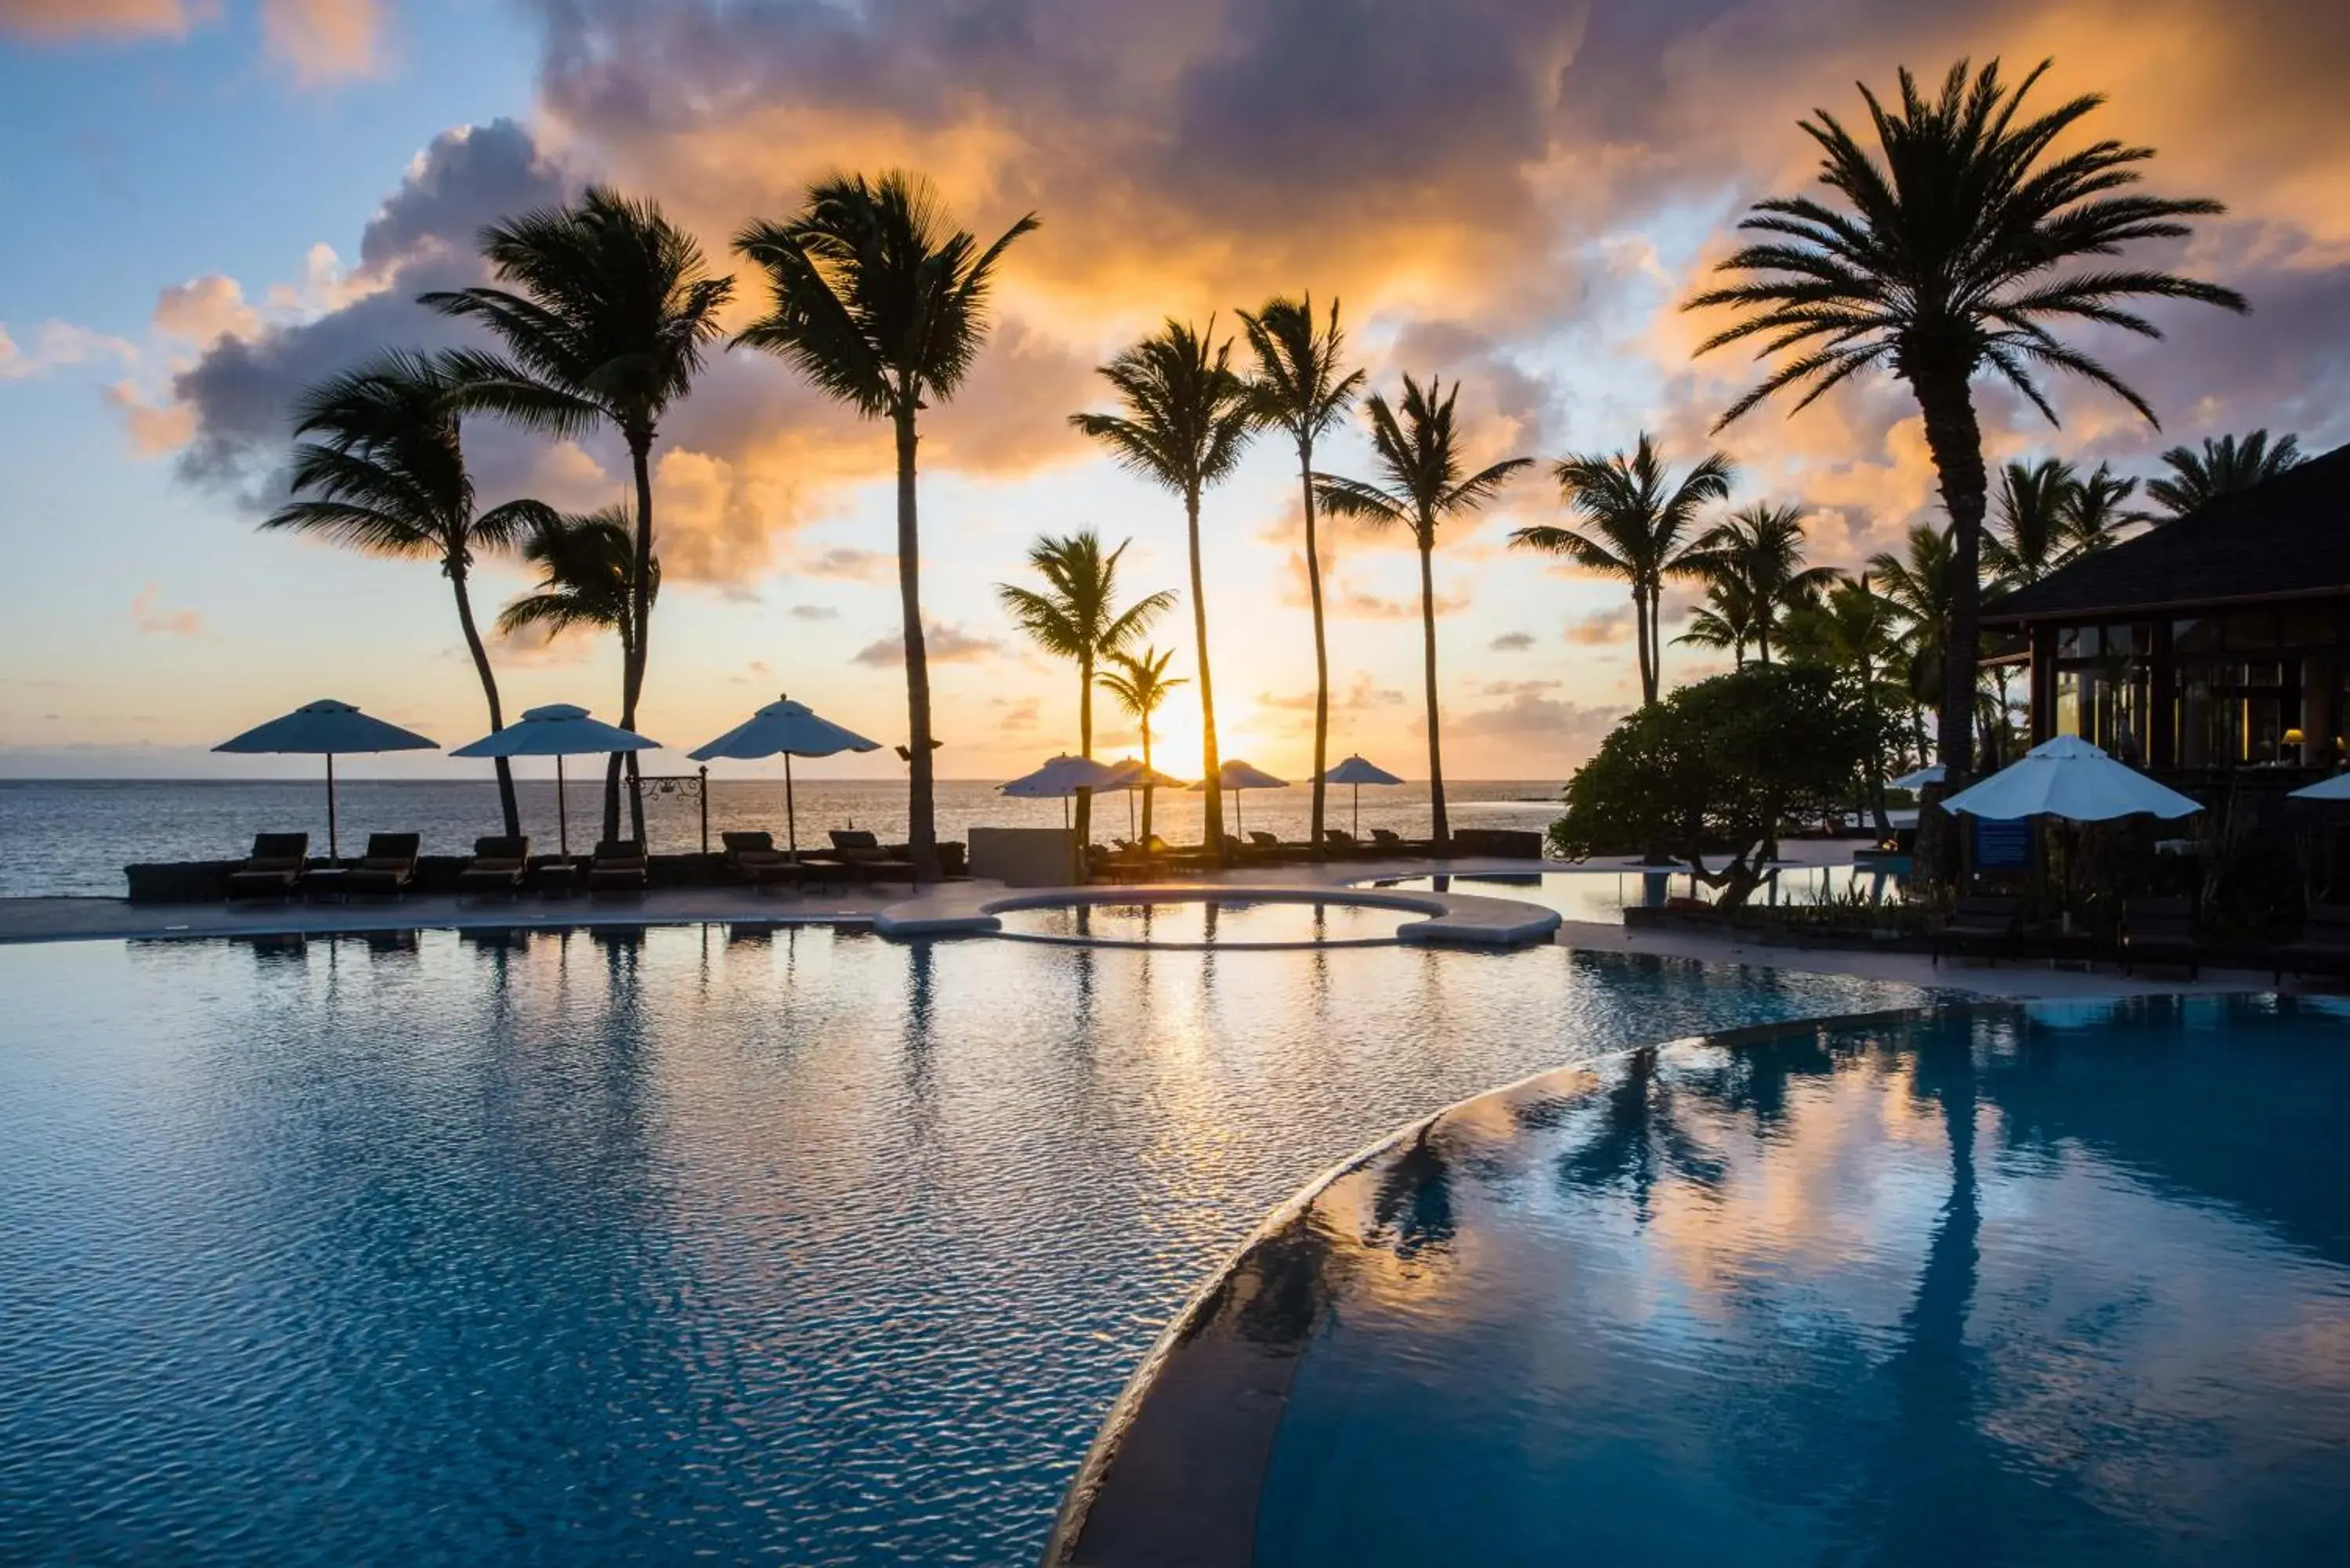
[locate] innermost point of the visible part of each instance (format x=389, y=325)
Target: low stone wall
x=1501, y=843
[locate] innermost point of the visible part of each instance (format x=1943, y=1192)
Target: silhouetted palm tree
x=1185, y=422
x=1300, y=388
x=1640, y=526
x=1139, y=683
x=2032, y=535
x=1851, y=628
x=586, y=577
x=1761, y=550
x=1726, y=621
x=611, y=309
x=1076, y=618
x=1917, y=583
x=1943, y=262
x=882, y=304
x=2093, y=512
x=1419, y=458
x=2223, y=465
x=381, y=469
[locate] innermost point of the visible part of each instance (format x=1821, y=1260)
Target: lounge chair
x=618, y=868
x=274, y=870
x=1343, y=843
x=753, y=859
x=387, y=869
x=2159, y=930
x=498, y=866
x=2323, y=946
x=1387, y=841
x=1981, y=922
x=862, y=857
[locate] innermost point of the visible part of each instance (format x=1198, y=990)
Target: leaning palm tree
x=1139, y=683
x=1421, y=484
x=1300, y=388
x=586, y=577
x=2094, y=512
x=611, y=308
x=1638, y=526
x=1918, y=584
x=881, y=303
x=2032, y=534
x=1186, y=419
x=1726, y=620
x=1949, y=259
x=2223, y=465
x=1760, y=549
x=1077, y=618
x=381, y=469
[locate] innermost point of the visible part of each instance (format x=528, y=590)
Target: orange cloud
x=52, y=21
x=205, y=309
x=148, y=614
x=323, y=40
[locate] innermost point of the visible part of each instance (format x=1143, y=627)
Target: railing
x=695, y=784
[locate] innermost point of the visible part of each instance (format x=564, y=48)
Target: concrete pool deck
x=39, y=919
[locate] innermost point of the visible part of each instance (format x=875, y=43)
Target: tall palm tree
x=1639, y=526
x=1918, y=585
x=1419, y=459
x=1300, y=388
x=1139, y=683
x=1761, y=550
x=881, y=303
x=1726, y=621
x=586, y=577
x=2033, y=535
x=1186, y=419
x=1949, y=259
x=381, y=468
x=2224, y=464
x=2094, y=512
x=1076, y=618
x=611, y=308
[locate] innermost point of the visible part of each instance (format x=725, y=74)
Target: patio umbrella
x=1133, y=775
x=558, y=729
x=325, y=728
x=2068, y=778
x=2335, y=788
x=1237, y=776
x=1355, y=771
x=1917, y=778
x=787, y=729
x=1061, y=779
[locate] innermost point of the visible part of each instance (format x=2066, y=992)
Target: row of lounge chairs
x=1127, y=860
x=2160, y=931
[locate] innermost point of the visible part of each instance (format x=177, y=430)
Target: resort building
x=2213, y=647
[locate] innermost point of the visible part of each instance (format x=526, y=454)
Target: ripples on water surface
x=802, y=1246
x=1204, y=922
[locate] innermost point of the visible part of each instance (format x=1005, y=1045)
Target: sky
x=212, y=203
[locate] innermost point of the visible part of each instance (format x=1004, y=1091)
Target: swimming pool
x=797, y=1245
x=1601, y=894
x=2050, y=1286
x=1225, y=922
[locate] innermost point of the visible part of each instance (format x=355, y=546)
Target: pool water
x=1207, y=922
x=2070, y=1288
x=795, y=1246
x=1602, y=895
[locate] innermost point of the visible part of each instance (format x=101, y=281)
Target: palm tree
x=383, y=470
x=1076, y=618
x=1418, y=457
x=881, y=303
x=1918, y=584
x=586, y=577
x=1139, y=682
x=1852, y=628
x=2033, y=535
x=2093, y=512
x=1944, y=262
x=1761, y=550
x=611, y=310
x=2223, y=465
x=1636, y=520
x=1300, y=388
x=1187, y=418
x=1726, y=621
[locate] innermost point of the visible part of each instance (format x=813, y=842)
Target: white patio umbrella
x=2335, y=788
x=326, y=727
x=1917, y=778
x=2068, y=778
x=1061, y=779
x=560, y=729
x=1355, y=771
x=787, y=729
x=1237, y=776
x=1134, y=775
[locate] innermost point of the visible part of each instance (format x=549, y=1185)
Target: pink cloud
x=148, y=614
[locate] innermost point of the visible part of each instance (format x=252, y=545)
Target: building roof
x=2287, y=538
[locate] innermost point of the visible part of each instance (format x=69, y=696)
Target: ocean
x=74, y=837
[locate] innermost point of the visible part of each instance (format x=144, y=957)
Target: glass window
x=2311, y=627
x=2198, y=635
x=2251, y=630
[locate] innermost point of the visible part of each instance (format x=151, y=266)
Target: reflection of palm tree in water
x=1414, y=1200
x=1640, y=1140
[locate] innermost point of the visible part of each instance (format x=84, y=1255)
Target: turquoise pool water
x=2063, y=1287
x=796, y=1247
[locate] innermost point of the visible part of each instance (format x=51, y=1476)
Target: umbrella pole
x=1129, y=816
x=1358, y=811
x=562, y=812
x=334, y=849
x=791, y=809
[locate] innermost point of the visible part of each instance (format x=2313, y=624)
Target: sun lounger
x=2160, y=930
x=274, y=870
x=753, y=859
x=862, y=859
x=618, y=868
x=387, y=869
x=1981, y=922
x=498, y=866
x=1387, y=841
x=2323, y=946
x=1343, y=844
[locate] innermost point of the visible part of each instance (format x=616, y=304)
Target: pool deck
x=1450, y=918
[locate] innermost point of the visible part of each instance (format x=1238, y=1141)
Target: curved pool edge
x=1195, y=1422
x=1464, y=919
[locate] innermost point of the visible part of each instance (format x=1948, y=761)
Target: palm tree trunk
x=1640, y=636
x=1442, y=829
x=508, y=806
x=1955, y=439
x=1321, y=648
x=1086, y=748
x=616, y=764
x=640, y=597
x=1213, y=819
x=1656, y=639
x=1146, y=772
x=922, y=816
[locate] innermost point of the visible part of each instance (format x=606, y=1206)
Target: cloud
x=1363, y=695
x=56, y=345
x=1512, y=642
x=204, y=309
x=1528, y=715
x=852, y=565
x=812, y=612
x=148, y=614
x=323, y=40
x=1017, y=717
x=1601, y=628
x=941, y=644
x=55, y=21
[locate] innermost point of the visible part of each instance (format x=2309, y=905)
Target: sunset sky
x=209, y=203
